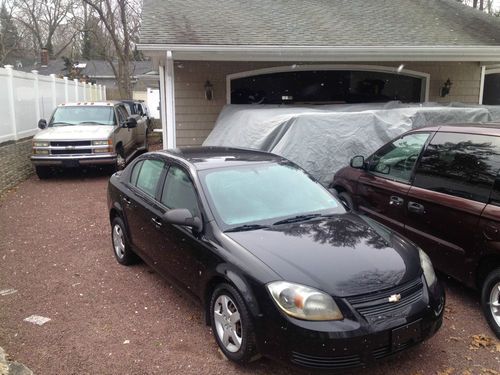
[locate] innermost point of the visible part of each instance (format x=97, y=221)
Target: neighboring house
x=292, y=51
x=99, y=72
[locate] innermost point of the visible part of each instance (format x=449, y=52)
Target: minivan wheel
x=490, y=300
x=346, y=200
x=123, y=254
x=232, y=325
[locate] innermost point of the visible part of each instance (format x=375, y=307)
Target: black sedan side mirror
x=358, y=162
x=42, y=124
x=182, y=216
x=131, y=123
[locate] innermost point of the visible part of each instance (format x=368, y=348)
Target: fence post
x=66, y=93
x=54, y=93
x=75, y=82
x=10, y=95
x=104, y=92
x=36, y=89
x=84, y=91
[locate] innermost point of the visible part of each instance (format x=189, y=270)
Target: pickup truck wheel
x=43, y=172
x=490, y=300
x=124, y=255
x=120, y=159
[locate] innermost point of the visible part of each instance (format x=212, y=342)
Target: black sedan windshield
x=265, y=193
x=83, y=115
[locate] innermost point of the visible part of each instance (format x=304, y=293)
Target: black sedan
x=279, y=266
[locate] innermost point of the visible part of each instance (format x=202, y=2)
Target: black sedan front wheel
x=490, y=300
x=232, y=325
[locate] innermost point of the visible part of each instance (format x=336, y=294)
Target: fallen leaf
x=483, y=341
x=447, y=371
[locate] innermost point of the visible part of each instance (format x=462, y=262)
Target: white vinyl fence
x=27, y=97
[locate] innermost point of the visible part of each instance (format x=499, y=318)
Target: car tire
x=490, y=300
x=121, y=247
x=43, y=172
x=120, y=159
x=235, y=338
x=346, y=200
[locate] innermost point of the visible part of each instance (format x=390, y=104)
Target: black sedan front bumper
x=356, y=341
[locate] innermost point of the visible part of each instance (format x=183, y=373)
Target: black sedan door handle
x=416, y=208
x=127, y=200
x=156, y=222
x=396, y=201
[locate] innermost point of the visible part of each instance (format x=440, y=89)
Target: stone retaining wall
x=15, y=164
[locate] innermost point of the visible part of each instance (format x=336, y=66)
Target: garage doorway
x=327, y=84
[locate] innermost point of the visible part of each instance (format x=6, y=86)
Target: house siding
x=196, y=116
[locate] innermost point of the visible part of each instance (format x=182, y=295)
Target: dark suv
x=440, y=187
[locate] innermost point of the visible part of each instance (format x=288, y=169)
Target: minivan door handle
x=416, y=208
x=396, y=201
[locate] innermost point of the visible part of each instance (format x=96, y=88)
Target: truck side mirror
x=131, y=122
x=42, y=124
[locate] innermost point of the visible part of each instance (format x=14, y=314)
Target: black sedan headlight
x=304, y=302
x=425, y=262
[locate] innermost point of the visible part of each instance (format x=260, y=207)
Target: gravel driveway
x=56, y=261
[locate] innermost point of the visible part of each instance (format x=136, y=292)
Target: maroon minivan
x=440, y=187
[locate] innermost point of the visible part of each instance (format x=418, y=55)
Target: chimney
x=44, y=57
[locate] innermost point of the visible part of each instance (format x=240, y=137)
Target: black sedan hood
x=343, y=255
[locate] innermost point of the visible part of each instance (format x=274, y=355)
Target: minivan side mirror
x=182, y=216
x=358, y=162
x=131, y=123
x=42, y=124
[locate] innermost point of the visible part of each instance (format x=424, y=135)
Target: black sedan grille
x=373, y=305
x=341, y=362
x=69, y=143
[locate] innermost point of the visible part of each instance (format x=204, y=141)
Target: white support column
x=75, y=81
x=170, y=100
x=36, y=90
x=163, y=105
x=12, y=104
x=481, y=85
x=66, y=92
x=54, y=93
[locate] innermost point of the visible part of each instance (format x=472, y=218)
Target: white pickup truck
x=92, y=133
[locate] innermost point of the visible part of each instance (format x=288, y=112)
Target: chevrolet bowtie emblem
x=394, y=298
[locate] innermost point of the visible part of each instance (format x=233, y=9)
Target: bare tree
x=44, y=18
x=9, y=36
x=121, y=21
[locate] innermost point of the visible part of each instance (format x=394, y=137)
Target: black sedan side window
x=148, y=176
x=179, y=192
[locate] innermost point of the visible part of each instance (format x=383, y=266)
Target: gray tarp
x=322, y=139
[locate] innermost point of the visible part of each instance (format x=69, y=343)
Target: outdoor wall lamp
x=209, y=90
x=445, y=90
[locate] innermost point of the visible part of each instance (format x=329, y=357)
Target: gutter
x=323, y=53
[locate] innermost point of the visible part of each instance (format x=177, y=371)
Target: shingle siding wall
x=196, y=116
x=15, y=164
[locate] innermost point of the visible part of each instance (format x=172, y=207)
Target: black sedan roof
x=216, y=157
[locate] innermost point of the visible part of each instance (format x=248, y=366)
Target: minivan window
x=397, y=159
x=148, y=177
x=463, y=165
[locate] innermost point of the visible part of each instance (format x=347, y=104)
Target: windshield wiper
x=296, y=219
x=60, y=123
x=91, y=122
x=246, y=227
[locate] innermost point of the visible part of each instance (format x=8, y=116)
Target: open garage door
x=324, y=84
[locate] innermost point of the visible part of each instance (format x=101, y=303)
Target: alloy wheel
x=228, y=324
x=495, y=303
x=118, y=241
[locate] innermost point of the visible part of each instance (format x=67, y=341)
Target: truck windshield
x=83, y=115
